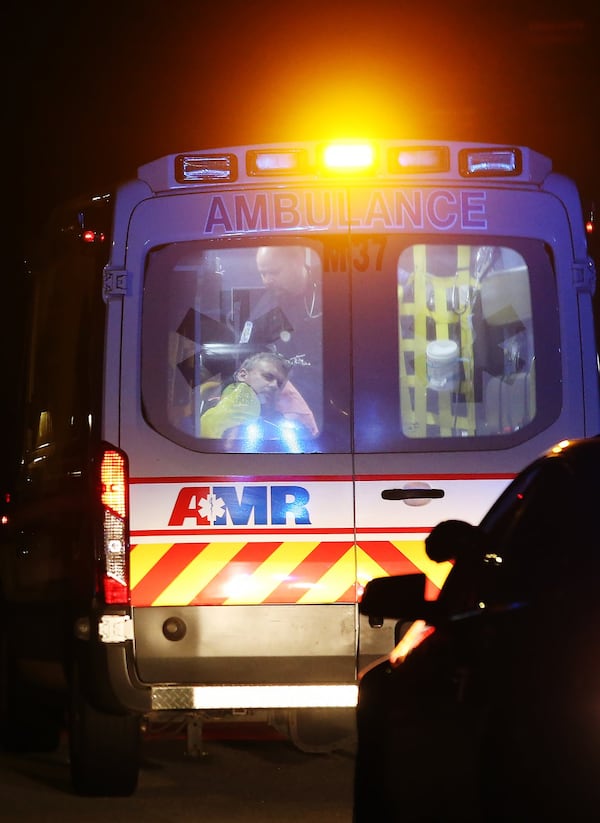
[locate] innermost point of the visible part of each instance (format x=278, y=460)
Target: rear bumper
x=116, y=688
x=251, y=696
x=222, y=658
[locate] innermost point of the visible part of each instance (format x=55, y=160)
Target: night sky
x=92, y=90
x=109, y=86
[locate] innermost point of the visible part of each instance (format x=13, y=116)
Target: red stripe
x=215, y=480
x=425, y=476
x=245, y=562
x=349, y=595
x=316, y=478
x=308, y=572
x=172, y=563
x=389, y=557
x=233, y=531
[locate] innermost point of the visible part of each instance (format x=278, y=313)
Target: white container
x=443, y=365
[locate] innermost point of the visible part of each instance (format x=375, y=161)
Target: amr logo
x=255, y=505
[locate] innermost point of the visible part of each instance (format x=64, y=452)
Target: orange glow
x=112, y=476
x=418, y=631
x=557, y=449
x=345, y=156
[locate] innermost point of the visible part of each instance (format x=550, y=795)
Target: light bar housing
x=205, y=168
x=418, y=159
x=266, y=162
x=492, y=162
x=347, y=157
x=313, y=161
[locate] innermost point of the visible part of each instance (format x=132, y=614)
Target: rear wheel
x=31, y=717
x=105, y=749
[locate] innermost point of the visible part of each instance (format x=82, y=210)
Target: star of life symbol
x=211, y=507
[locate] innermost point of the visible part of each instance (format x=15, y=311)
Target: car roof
x=581, y=457
x=578, y=459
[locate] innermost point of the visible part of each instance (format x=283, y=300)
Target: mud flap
x=318, y=730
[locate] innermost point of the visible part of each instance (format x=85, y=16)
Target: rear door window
x=259, y=348
x=245, y=348
x=453, y=354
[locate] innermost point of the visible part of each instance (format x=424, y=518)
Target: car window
x=539, y=536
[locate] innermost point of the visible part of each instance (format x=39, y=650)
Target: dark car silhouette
x=491, y=708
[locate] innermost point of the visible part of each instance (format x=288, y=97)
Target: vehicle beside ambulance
x=442, y=337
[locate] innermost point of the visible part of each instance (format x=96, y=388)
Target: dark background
x=92, y=90
x=105, y=87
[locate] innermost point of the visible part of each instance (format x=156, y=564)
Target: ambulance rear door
x=467, y=361
x=243, y=561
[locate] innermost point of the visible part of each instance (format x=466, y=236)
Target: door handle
x=412, y=494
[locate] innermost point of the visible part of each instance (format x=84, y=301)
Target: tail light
x=115, y=538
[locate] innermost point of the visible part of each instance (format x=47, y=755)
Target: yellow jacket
x=238, y=405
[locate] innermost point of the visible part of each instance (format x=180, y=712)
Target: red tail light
x=114, y=484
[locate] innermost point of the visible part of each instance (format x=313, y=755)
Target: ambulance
x=256, y=378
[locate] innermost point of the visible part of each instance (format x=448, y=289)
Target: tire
x=31, y=717
x=105, y=749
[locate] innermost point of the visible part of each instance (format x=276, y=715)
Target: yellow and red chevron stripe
x=298, y=571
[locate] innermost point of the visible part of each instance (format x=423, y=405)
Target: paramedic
x=286, y=273
x=253, y=393
x=289, y=315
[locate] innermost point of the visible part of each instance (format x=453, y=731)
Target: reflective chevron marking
x=237, y=573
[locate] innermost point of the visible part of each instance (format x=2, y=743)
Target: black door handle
x=411, y=494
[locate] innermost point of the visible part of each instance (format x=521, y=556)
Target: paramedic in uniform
x=289, y=316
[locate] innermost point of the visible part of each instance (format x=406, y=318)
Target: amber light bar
x=348, y=157
x=276, y=161
x=418, y=159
